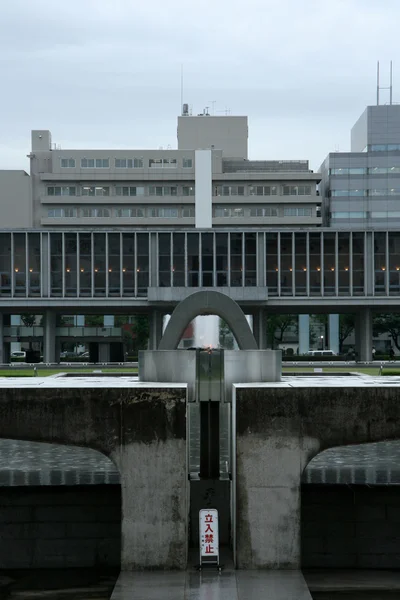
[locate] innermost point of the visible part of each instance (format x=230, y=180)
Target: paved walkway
x=229, y=585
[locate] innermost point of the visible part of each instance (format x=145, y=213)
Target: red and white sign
x=209, y=536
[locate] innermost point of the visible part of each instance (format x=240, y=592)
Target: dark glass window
x=286, y=273
x=99, y=254
x=250, y=253
x=315, y=264
x=329, y=264
x=19, y=264
x=85, y=264
x=344, y=264
x=128, y=264
x=394, y=263
x=300, y=257
x=164, y=259
x=193, y=259
x=221, y=246
x=271, y=263
x=114, y=264
x=178, y=259
x=142, y=269
x=380, y=263
x=236, y=260
x=207, y=259
x=56, y=264
x=358, y=264
x=34, y=264
x=70, y=266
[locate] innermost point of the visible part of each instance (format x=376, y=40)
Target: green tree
x=346, y=328
x=28, y=320
x=278, y=326
x=388, y=323
x=141, y=332
x=94, y=321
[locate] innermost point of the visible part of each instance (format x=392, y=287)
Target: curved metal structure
x=208, y=303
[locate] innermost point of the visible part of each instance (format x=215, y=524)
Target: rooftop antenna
x=213, y=103
x=379, y=87
x=181, y=88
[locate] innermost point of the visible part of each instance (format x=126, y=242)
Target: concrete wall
x=15, y=199
x=350, y=527
x=225, y=133
x=278, y=431
x=60, y=527
x=143, y=430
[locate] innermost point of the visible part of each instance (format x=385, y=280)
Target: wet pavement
x=207, y=585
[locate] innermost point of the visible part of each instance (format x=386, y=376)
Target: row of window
x=126, y=163
x=262, y=190
x=368, y=192
x=383, y=147
x=118, y=263
x=175, y=190
x=261, y=211
x=105, y=190
x=366, y=171
x=178, y=211
x=389, y=214
x=140, y=212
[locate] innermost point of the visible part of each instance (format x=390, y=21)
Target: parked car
x=320, y=353
x=18, y=354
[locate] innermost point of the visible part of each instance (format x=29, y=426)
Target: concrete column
x=2, y=353
x=49, y=337
x=104, y=352
x=333, y=333
x=363, y=334
x=155, y=329
x=152, y=460
x=203, y=189
x=15, y=321
x=260, y=328
x=6, y=347
x=304, y=334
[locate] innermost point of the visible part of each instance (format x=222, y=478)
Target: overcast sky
x=106, y=73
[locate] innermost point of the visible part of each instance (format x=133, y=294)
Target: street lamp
x=322, y=342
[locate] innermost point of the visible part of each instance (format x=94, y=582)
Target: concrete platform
x=229, y=585
x=348, y=581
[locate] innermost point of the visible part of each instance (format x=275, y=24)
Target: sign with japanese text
x=209, y=536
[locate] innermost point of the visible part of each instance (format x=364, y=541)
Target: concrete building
x=361, y=188
x=208, y=181
x=15, y=199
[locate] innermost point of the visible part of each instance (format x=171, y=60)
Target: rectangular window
x=129, y=191
x=297, y=190
x=70, y=212
x=128, y=163
x=188, y=190
x=378, y=171
x=187, y=163
x=65, y=190
x=297, y=212
x=123, y=212
x=188, y=211
x=55, y=212
x=377, y=192
x=98, y=163
x=67, y=163
x=95, y=191
x=162, y=163
x=347, y=193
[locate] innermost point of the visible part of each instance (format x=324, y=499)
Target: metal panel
x=244, y=366
x=210, y=374
x=176, y=366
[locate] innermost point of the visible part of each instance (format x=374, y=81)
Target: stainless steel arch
x=208, y=303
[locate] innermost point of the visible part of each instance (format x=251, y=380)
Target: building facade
x=208, y=181
x=361, y=188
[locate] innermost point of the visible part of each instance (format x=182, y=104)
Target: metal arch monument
x=208, y=303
